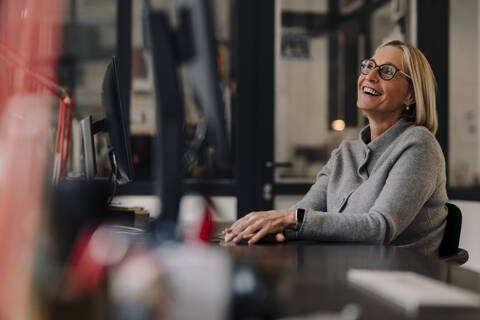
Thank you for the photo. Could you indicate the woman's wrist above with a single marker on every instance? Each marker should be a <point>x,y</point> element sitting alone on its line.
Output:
<point>295,219</point>
<point>292,214</point>
<point>298,217</point>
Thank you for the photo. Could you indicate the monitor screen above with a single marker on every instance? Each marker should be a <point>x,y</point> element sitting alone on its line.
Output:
<point>195,16</point>
<point>116,109</point>
<point>169,140</point>
<point>192,46</point>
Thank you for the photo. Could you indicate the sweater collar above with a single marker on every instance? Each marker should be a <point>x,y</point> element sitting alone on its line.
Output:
<point>386,138</point>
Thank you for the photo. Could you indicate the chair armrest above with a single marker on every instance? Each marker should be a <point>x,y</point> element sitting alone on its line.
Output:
<point>458,258</point>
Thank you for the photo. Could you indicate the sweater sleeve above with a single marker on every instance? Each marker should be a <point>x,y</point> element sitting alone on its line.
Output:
<point>411,181</point>
<point>316,197</point>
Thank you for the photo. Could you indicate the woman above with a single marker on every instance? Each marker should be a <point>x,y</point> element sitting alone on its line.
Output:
<point>388,187</point>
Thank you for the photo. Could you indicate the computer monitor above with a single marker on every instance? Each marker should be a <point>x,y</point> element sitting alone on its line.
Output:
<point>170,114</point>
<point>115,124</point>
<point>116,111</point>
<point>196,19</point>
<point>190,45</point>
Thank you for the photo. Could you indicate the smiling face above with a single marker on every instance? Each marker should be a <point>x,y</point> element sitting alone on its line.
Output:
<point>384,99</point>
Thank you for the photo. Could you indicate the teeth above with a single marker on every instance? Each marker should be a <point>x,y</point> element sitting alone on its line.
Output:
<point>371,91</point>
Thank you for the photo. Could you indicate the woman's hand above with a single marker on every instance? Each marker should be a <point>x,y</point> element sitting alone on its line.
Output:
<point>256,225</point>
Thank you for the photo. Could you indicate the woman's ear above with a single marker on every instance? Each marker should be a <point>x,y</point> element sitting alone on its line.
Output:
<point>409,98</point>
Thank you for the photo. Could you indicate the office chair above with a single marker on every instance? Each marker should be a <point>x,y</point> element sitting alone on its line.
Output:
<point>449,250</point>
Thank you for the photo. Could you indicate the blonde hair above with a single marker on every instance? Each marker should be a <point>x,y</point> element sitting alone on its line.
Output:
<point>424,111</point>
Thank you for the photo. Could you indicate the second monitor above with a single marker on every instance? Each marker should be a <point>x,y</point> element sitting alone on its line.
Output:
<point>115,124</point>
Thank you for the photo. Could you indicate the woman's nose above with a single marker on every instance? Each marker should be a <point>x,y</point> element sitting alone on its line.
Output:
<point>373,75</point>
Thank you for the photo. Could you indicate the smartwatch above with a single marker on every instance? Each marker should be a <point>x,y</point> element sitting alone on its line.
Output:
<point>299,214</point>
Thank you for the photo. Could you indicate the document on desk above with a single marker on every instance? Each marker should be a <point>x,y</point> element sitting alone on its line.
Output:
<point>412,291</point>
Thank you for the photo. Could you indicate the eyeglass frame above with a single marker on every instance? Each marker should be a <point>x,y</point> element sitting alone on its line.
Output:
<point>379,70</point>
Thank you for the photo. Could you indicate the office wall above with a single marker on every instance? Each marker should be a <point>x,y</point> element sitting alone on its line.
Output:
<point>464,140</point>
<point>301,98</point>
<point>301,101</point>
<point>464,120</point>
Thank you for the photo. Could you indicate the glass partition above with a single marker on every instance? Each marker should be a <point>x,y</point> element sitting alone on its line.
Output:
<point>304,134</point>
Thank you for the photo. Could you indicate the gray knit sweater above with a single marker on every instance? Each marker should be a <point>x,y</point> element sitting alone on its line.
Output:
<point>390,191</point>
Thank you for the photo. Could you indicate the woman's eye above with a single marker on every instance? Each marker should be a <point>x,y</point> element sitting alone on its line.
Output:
<point>388,70</point>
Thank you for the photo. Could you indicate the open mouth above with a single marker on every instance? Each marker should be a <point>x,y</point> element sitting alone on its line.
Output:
<point>371,91</point>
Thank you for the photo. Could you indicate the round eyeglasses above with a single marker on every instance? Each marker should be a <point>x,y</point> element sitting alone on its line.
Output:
<point>386,71</point>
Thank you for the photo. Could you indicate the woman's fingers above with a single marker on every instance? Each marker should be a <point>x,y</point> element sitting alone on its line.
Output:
<point>229,237</point>
<point>241,224</point>
<point>253,227</point>
<point>252,222</point>
<point>272,221</point>
<point>280,237</point>
<point>259,235</point>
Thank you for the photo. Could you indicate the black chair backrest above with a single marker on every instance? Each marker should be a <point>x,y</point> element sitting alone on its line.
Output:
<point>451,237</point>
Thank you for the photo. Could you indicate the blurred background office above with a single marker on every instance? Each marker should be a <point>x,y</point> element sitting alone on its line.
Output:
<point>287,73</point>
<point>288,76</point>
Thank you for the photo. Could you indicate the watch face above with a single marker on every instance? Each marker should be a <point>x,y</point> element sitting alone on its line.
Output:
<point>300,214</point>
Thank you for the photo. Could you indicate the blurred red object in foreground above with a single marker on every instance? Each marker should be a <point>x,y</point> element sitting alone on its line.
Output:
<point>83,273</point>
<point>15,61</point>
<point>199,225</point>
<point>30,28</point>
<point>207,225</point>
<point>95,250</point>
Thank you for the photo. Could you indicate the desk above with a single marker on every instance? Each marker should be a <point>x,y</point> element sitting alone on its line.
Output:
<point>301,277</point>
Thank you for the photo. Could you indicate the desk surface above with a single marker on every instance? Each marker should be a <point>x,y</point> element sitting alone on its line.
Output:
<point>302,277</point>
